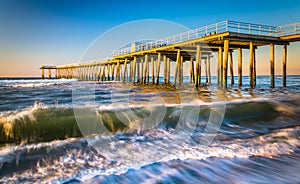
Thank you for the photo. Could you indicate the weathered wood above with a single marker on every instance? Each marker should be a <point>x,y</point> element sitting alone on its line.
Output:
<point>125,70</point>
<point>138,70</point>
<point>251,63</point>
<point>43,73</point>
<point>146,80</point>
<point>284,61</point>
<point>225,62</point>
<point>178,58</point>
<point>240,65</point>
<point>168,69</point>
<point>254,68</point>
<point>231,69</point>
<point>272,57</point>
<point>165,69</point>
<point>181,71</point>
<point>153,73</point>
<point>158,67</point>
<point>198,69</point>
<point>220,60</point>
<point>142,71</point>
<point>208,69</point>
<point>134,69</point>
<point>192,75</point>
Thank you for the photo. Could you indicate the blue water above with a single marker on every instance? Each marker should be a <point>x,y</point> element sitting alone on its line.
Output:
<point>60,131</point>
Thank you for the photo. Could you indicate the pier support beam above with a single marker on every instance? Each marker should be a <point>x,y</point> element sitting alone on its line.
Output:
<point>181,70</point>
<point>49,73</point>
<point>272,77</point>
<point>240,65</point>
<point>225,62</point>
<point>254,68</point>
<point>251,65</point>
<point>125,70</point>
<point>43,73</point>
<point>165,69</point>
<point>138,71</point>
<point>168,69</point>
<point>220,66</point>
<point>284,61</point>
<point>146,80</point>
<point>178,58</point>
<point>153,71</point>
<point>133,70</point>
<point>198,67</point>
<point>192,75</point>
<point>158,67</point>
<point>208,69</point>
<point>231,69</point>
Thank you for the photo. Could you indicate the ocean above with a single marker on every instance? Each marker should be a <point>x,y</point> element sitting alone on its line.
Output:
<point>69,131</point>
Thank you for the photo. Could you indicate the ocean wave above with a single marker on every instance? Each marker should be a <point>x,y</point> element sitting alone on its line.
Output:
<point>76,160</point>
<point>41,123</point>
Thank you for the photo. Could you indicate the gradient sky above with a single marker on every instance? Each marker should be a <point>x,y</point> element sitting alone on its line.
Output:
<point>39,32</point>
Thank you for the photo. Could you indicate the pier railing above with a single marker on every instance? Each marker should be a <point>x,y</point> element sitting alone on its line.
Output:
<point>289,29</point>
<point>219,27</point>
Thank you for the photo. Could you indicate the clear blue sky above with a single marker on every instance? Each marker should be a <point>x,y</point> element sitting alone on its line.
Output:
<point>37,32</point>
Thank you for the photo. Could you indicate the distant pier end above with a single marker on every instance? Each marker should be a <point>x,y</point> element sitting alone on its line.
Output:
<point>135,62</point>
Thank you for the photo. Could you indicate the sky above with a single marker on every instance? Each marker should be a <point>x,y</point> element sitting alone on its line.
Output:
<point>56,32</point>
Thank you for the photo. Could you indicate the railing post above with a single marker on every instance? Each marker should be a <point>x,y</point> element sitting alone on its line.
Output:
<point>226,25</point>
<point>249,29</point>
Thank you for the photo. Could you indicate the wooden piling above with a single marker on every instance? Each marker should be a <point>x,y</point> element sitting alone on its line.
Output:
<point>220,60</point>
<point>125,70</point>
<point>254,67</point>
<point>138,70</point>
<point>284,60</point>
<point>272,65</point>
<point>231,69</point>
<point>198,68</point>
<point>165,69</point>
<point>146,80</point>
<point>240,65</point>
<point>208,69</point>
<point>192,76</point>
<point>158,67</point>
<point>142,70</point>
<point>133,69</point>
<point>181,70</point>
<point>43,73</point>
<point>251,64</point>
<point>178,58</point>
<point>153,73</point>
<point>225,62</point>
<point>168,69</point>
<point>49,73</point>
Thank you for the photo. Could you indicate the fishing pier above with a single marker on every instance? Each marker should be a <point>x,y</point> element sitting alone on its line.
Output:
<point>142,62</point>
